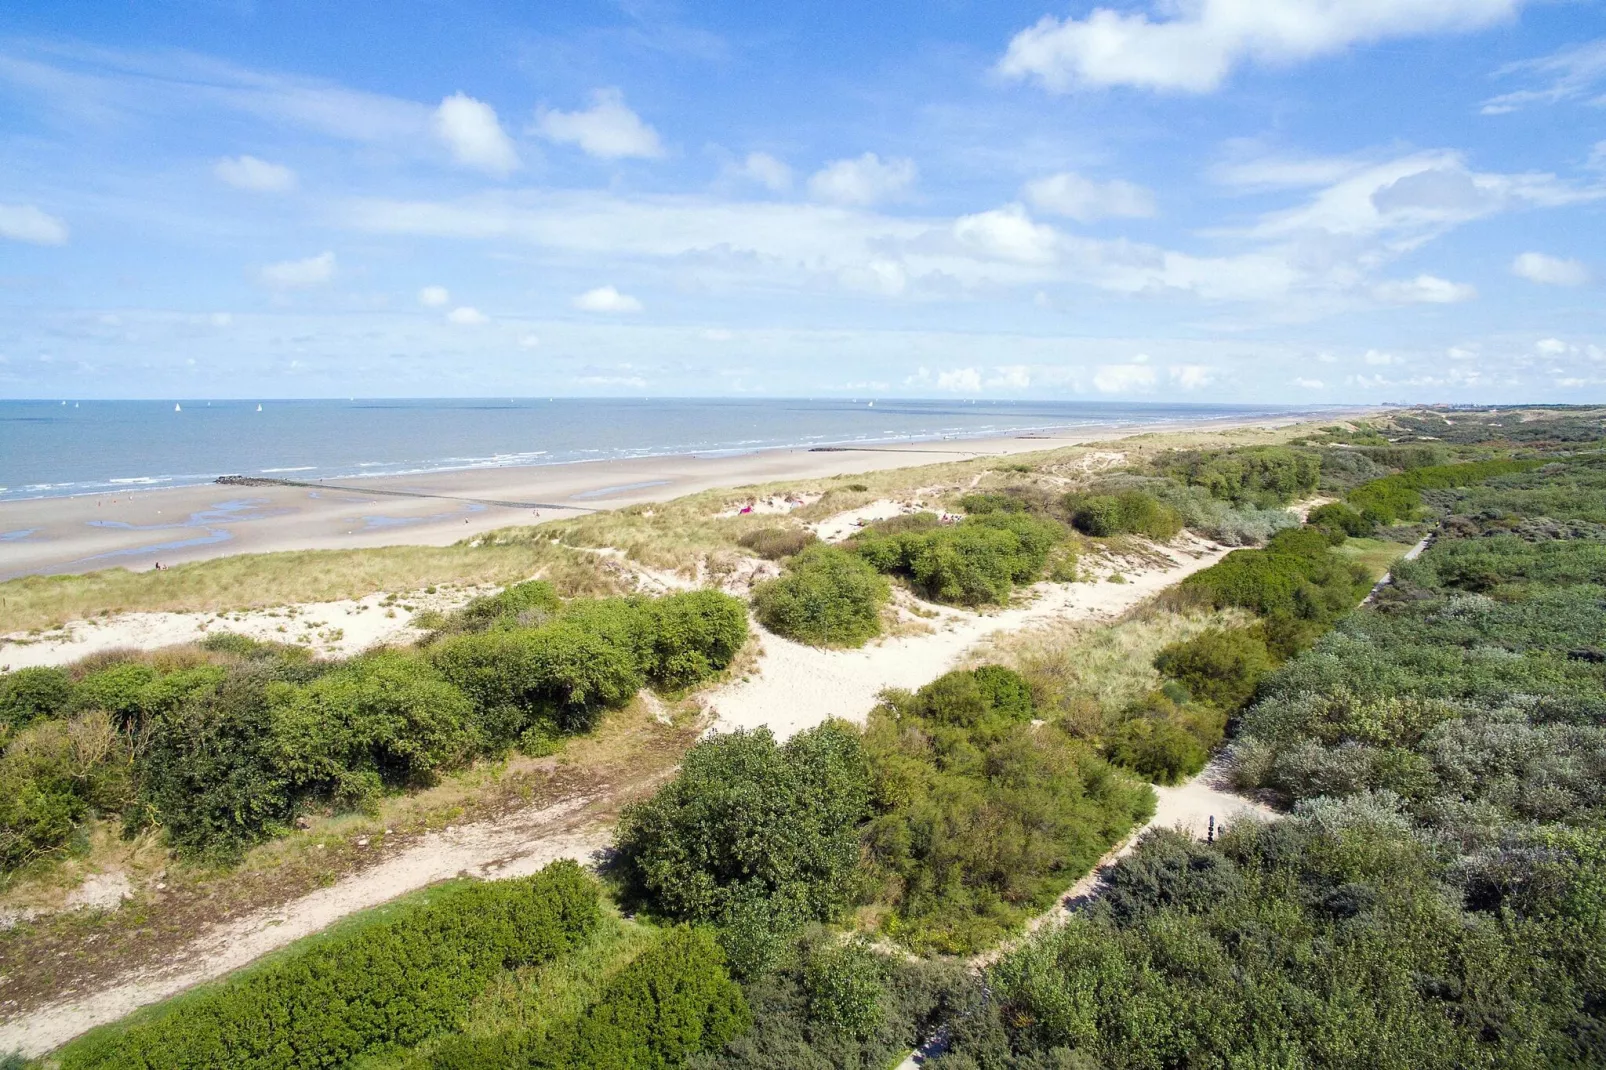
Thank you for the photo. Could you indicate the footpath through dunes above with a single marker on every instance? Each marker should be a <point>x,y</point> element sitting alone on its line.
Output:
<point>789,688</point>
<point>795,687</point>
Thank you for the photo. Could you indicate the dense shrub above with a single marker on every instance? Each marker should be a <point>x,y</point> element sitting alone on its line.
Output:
<point>695,634</point>
<point>974,562</point>
<point>1128,513</point>
<point>1156,748</point>
<point>828,597</point>
<point>754,837</point>
<point>523,605</point>
<point>55,772</point>
<point>1265,475</point>
<point>980,816</point>
<point>1398,497</point>
<point>1336,516</point>
<point>1220,666</point>
<point>775,543</point>
<point>29,694</point>
<point>390,983</point>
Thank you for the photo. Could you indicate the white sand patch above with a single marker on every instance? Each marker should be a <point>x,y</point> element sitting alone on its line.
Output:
<point>100,891</point>
<point>845,524</point>
<point>797,687</point>
<point>515,845</point>
<point>329,628</point>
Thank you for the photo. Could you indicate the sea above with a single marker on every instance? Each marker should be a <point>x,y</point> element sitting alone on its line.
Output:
<point>70,447</point>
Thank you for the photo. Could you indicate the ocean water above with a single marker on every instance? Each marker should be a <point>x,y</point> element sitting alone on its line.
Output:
<point>50,449</point>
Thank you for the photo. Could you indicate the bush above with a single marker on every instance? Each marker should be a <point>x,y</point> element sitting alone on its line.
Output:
<point>775,543</point>
<point>974,562</point>
<point>673,1002</point>
<point>694,635</point>
<point>1398,497</point>
<point>1156,748</point>
<point>1127,513</point>
<point>1219,666</point>
<point>1294,581</point>
<point>54,774</point>
<point>1264,475</point>
<point>389,984</point>
<point>388,718</point>
<point>1337,516</point>
<point>27,695</point>
<point>828,597</point>
<point>523,605</point>
<point>750,833</point>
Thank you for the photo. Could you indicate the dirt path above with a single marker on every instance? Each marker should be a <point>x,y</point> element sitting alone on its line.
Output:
<point>516,845</point>
<point>1188,806</point>
<point>797,687</point>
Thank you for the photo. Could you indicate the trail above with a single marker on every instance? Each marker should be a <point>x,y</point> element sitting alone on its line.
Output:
<point>1188,806</point>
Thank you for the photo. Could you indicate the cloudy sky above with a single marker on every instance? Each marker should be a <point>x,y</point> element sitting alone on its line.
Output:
<point>1252,200</point>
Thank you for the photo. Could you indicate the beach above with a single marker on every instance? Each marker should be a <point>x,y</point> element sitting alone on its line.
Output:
<point>138,529</point>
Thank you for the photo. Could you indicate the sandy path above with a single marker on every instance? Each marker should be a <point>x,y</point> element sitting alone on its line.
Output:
<point>796,687</point>
<point>511,846</point>
<point>1188,806</point>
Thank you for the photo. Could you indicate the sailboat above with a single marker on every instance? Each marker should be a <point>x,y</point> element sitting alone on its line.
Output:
<point>259,408</point>
<point>177,407</point>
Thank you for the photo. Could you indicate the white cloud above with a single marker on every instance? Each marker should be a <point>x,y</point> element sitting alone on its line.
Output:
<point>298,274</point>
<point>1011,377</point>
<point>465,316</point>
<point>470,129</point>
<point>1190,376</point>
<point>862,181</point>
<point>606,299</point>
<point>1377,358</point>
<point>24,222</point>
<point>1007,233</point>
<point>608,129</point>
<point>1550,270</point>
<point>1551,346</point>
<point>1085,200</point>
<point>1309,384</point>
<point>718,334</point>
<point>1424,290</point>
<point>1575,73</point>
<point>767,171</point>
<point>529,341</point>
<point>960,381</point>
<point>1125,378</point>
<point>258,176</point>
<point>1196,48</point>
<point>434,297</point>
<point>220,319</point>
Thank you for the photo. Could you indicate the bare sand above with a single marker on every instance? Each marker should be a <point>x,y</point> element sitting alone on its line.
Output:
<point>183,524</point>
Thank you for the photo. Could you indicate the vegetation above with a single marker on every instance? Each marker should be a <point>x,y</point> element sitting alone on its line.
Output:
<point>1398,497</point>
<point>827,597</point>
<point>774,544</point>
<point>393,982</point>
<point>754,837</point>
<point>1127,513</point>
<point>981,818</point>
<point>222,745</point>
<point>1263,475</point>
<point>975,562</point>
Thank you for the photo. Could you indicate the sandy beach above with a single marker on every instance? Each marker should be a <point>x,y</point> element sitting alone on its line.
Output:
<point>172,526</point>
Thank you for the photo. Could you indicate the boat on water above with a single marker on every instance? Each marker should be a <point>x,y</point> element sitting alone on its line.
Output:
<point>177,407</point>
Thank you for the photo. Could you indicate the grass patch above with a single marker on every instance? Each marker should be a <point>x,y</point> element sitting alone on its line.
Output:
<point>1377,556</point>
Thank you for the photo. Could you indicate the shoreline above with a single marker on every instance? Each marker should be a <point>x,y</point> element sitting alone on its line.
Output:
<point>178,525</point>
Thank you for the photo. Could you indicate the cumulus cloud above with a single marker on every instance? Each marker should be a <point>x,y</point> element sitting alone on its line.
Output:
<point>1190,376</point>
<point>862,181</point>
<point>608,129</point>
<point>1007,233</point>
<point>465,316</point>
<point>1308,384</point>
<point>434,297</point>
<point>1198,45</point>
<point>1085,200</point>
<point>298,274</point>
<point>1549,270</point>
<point>258,176</point>
<point>606,299</point>
<point>960,381</point>
<point>1136,377</point>
<point>24,222</point>
<point>529,341</point>
<point>1573,74</point>
<point>1424,290</point>
<point>767,171</point>
<point>1377,358</point>
<point>470,129</point>
<point>1011,377</point>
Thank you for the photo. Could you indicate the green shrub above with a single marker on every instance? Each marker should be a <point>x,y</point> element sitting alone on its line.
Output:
<point>827,597</point>
<point>388,717</point>
<point>27,695</point>
<point>977,504</point>
<point>1219,666</point>
<point>750,829</point>
<point>846,987</point>
<point>694,635</point>
<point>1294,581</point>
<point>1399,497</point>
<point>1265,475</point>
<point>1127,513</point>
<point>673,1002</point>
<point>522,605</point>
<point>1157,748</point>
<point>775,543</point>
<point>53,775</point>
<point>1337,516</point>
<point>389,984</point>
<point>974,562</point>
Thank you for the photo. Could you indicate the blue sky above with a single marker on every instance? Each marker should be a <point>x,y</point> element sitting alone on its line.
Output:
<point>1248,200</point>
